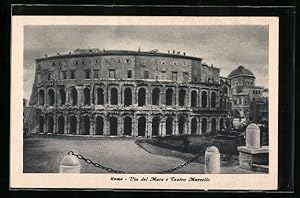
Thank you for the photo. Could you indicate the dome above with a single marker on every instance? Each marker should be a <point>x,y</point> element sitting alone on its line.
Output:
<point>241,70</point>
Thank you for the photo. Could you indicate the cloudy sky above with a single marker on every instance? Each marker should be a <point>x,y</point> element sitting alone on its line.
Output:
<point>225,47</point>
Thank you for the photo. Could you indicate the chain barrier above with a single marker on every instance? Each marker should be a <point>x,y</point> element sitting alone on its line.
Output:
<point>97,165</point>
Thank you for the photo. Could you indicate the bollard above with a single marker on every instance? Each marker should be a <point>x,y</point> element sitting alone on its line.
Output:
<point>69,164</point>
<point>212,160</point>
<point>253,136</point>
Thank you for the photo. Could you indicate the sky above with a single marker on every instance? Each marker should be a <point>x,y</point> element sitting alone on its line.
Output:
<point>226,47</point>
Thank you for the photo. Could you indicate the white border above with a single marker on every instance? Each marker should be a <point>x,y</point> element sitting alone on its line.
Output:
<point>18,179</point>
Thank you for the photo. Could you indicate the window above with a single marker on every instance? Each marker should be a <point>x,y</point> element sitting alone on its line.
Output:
<point>253,92</point>
<point>129,74</point>
<point>119,61</point>
<point>186,76</point>
<point>112,73</point>
<point>96,73</point>
<point>72,74</point>
<point>82,62</point>
<point>146,74</point>
<point>163,75</point>
<point>127,60</point>
<point>87,74</point>
<point>49,76</point>
<point>77,62</point>
<point>96,61</point>
<point>174,76</point>
<point>64,75</point>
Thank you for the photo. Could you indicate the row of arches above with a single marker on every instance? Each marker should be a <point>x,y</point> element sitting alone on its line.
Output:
<point>83,125</point>
<point>155,97</point>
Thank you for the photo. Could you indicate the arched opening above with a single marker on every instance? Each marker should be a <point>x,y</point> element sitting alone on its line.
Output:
<point>50,97</point>
<point>127,126</point>
<point>221,123</point>
<point>213,125</point>
<point>41,97</point>
<point>155,96</point>
<point>169,126</point>
<point>99,125</point>
<point>86,125</point>
<point>113,96</point>
<point>204,125</point>
<point>142,126</point>
<point>141,97</point>
<point>62,96</point>
<point>155,126</point>
<point>74,96</point>
<point>169,97</point>
<point>213,99</point>
<point>50,124</point>
<point>182,97</point>
<point>181,125</point>
<point>61,125</point>
<point>194,126</point>
<point>100,96</point>
<point>87,96</point>
<point>193,98</point>
<point>127,97</point>
<point>113,126</point>
<point>204,99</point>
<point>73,125</point>
<point>41,124</point>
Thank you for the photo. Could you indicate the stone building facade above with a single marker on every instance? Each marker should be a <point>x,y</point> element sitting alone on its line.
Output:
<point>131,93</point>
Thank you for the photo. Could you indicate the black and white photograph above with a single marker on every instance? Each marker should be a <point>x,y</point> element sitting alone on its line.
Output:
<point>183,102</point>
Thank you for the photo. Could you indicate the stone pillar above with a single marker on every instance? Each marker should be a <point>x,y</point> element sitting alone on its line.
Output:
<point>212,161</point>
<point>134,126</point>
<point>55,127</point>
<point>120,125</point>
<point>163,126</point>
<point>92,126</point>
<point>253,136</point>
<point>80,100</point>
<point>92,95</point>
<point>148,131</point>
<point>199,125</point>
<point>66,128</point>
<point>105,125</point>
<point>45,125</point>
<point>208,129</point>
<point>78,125</point>
<point>175,125</point>
<point>70,164</point>
<point>188,125</point>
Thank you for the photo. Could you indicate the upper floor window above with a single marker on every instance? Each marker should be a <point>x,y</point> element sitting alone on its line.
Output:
<point>119,61</point>
<point>112,73</point>
<point>146,74</point>
<point>186,76</point>
<point>96,73</point>
<point>174,76</point>
<point>129,74</point>
<point>163,75</point>
<point>83,62</point>
<point>64,74</point>
<point>53,63</point>
<point>87,74</point>
<point>72,74</point>
<point>49,77</point>
<point>127,60</point>
<point>76,62</point>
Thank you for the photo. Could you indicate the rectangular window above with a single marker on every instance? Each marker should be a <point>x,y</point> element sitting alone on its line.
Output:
<point>87,74</point>
<point>146,74</point>
<point>112,73</point>
<point>163,75</point>
<point>186,76</point>
<point>72,74</point>
<point>129,74</point>
<point>174,76</point>
<point>96,73</point>
<point>64,75</point>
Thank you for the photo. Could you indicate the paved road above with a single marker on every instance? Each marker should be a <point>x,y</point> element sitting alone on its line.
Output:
<point>44,154</point>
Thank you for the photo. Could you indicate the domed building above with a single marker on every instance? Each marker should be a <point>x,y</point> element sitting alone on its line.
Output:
<point>244,91</point>
<point>126,93</point>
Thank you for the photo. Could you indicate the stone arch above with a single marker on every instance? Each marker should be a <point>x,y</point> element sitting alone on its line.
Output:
<point>113,96</point>
<point>204,125</point>
<point>99,125</point>
<point>169,126</point>
<point>127,125</point>
<point>213,99</point>
<point>50,122</point>
<point>74,96</point>
<point>213,125</point>
<point>127,97</point>
<point>194,126</point>
<point>87,96</point>
<point>221,123</point>
<point>41,97</point>
<point>155,96</point>
<point>141,97</point>
<point>182,94</point>
<point>72,125</point>
<point>181,125</point>
<point>169,97</point>
<point>100,96</point>
<point>85,125</point>
<point>61,124</point>
<point>142,126</point>
<point>194,98</point>
<point>204,99</point>
<point>41,124</point>
<point>155,126</point>
<point>113,126</point>
<point>62,96</point>
<point>51,97</point>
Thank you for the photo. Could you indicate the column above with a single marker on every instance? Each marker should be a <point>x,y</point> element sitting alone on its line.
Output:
<point>92,102</point>
<point>77,125</point>
<point>55,127</point>
<point>188,125</point>
<point>45,125</point>
<point>176,129</point>
<point>120,125</point>
<point>148,131</point>
<point>208,130</point>
<point>66,128</point>
<point>92,125</point>
<point>134,126</point>
<point>163,126</point>
<point>199,125</point>
<point>80,95</point>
